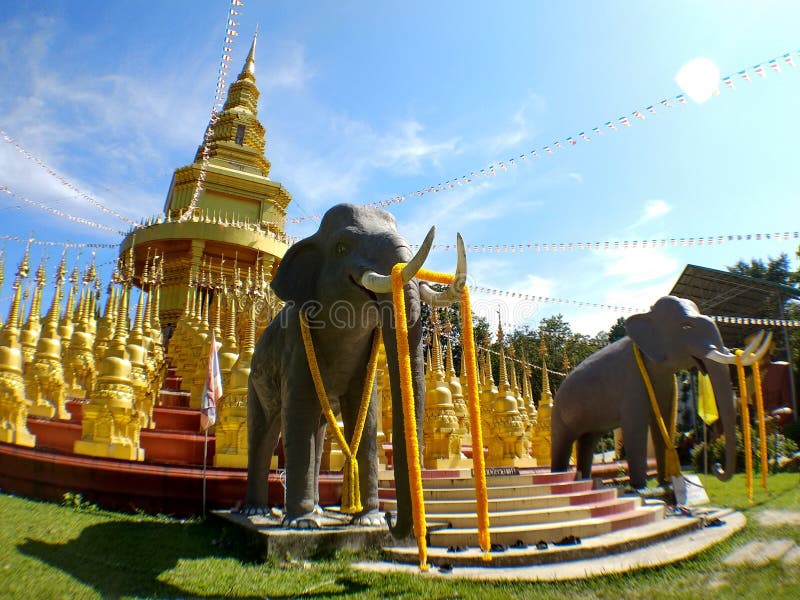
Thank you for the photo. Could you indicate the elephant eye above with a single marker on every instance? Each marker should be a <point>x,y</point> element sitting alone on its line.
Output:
<point>341,249</point>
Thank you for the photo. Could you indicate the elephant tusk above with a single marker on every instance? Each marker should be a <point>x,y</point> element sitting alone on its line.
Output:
<point>453,291</point>
<point>724,358</point>
<point>751,347</point>
<point>749,356</point>
<point>382,284</point>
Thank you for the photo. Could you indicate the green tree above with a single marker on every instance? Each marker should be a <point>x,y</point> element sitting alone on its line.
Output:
<point>617,331</point>
<point>777,270</point>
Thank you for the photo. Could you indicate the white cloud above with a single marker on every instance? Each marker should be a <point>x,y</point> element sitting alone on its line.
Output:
<point>322,175</point>
<point>520,129</point>
<point>654,209</point>
<point>638,266</point>
<point>511,311</point>
<point>699,79</point>
<point>576,177</point>
<point>289,70</point>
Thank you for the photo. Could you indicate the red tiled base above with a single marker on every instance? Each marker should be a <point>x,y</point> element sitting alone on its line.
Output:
<point>176,419</point>
<point>159,446</point>
<point>174,398</point>
<point>123,485</point>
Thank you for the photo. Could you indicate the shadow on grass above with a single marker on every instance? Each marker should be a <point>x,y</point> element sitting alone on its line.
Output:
<point>127,558</point>
<point>322,590</point>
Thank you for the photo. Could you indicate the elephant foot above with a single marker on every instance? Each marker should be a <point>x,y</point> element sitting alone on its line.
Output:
<point>258,510</point>
<point>369,518</point>
<point>252,510</point>
<point>310,520</point>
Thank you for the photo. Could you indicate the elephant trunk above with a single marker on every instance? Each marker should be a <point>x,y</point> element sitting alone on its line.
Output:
<point>404,524</point>
<point>721,383</point>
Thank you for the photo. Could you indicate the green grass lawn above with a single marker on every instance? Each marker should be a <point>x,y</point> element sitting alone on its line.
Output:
<point>52,551</point>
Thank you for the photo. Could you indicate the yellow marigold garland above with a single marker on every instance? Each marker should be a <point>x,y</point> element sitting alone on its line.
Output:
<point>409,415</point>
<point>672,465</point>
<point>470,362</point>
<point>351,491</point>
<point>748,449</point>
<point>762,426</point>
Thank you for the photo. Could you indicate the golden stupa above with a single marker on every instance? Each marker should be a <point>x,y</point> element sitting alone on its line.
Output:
<point>239,212</point>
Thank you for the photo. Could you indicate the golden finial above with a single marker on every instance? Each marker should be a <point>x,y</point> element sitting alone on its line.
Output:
<point>565,364</point>
<point>450,367</point>
<point>545,377</point>
<point>438,365</point>
<point>249,69</point>
<point>542,347</point>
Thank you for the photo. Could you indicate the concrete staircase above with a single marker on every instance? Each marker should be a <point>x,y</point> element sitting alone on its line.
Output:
<point>534,518</point>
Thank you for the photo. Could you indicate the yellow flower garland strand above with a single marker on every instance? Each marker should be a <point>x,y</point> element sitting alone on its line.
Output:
<point>748,448</point>
<point>410,416</point>
<point>672,465</point>
<point>351,491</point>
<point>470,362</point>
<point>762,426</point>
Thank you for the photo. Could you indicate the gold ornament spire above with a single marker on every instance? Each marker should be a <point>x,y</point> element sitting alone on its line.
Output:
<point>546,393</point>
<point>10,334</point>
<point>249,68</point>
<point>502,377</point>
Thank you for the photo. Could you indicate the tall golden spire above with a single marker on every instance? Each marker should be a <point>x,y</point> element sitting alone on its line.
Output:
<point>547,396</point>
<point>237,133</point>
<point>502,377</point>
<point>249,68</point>
<point>10,334</point>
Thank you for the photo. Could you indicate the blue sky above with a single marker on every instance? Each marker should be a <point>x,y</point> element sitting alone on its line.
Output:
<point>364,101</point>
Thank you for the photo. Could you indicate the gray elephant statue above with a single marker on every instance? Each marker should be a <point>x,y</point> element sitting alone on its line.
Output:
<point>607,390</point>
<point>340,277</point>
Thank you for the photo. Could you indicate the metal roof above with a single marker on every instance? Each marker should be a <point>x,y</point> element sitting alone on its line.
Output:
<point>731,294</point>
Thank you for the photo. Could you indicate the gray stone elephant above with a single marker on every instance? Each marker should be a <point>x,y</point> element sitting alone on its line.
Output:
<point>607,390</point>
<point>341,277</point>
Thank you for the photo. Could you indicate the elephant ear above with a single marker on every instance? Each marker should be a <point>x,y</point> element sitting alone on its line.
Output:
<point>297,274</point>
<point>642,330</point>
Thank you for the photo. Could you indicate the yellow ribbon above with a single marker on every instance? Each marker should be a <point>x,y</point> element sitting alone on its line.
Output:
<point>476,431</point>
<point>409,415</point>
<point>762,426</point>
<point>748,444</point>
<point>351,492</point>
<point>672,465</point>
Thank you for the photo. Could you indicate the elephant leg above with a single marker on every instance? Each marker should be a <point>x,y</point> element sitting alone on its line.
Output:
<point>300,432</point>
<point>262,437</point>
<point>635,435</point>
<point>586,446</point>
<point>660,451</point>
<point>561,440</point>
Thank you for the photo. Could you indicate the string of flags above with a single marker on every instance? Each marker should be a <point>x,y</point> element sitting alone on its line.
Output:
<point>549,300</point>
<point>63,180</point>
<point>35,242</point>
<point>732,320</point>
<point>710,240</point>
<point>756,321</point>
<point>231,33</point>
<point>54,211</point>
<point>586,136</point>
<point>522,363</point>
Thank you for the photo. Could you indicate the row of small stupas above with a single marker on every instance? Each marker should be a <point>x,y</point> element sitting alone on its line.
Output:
<point>116,365</point>
<point>515,432</point>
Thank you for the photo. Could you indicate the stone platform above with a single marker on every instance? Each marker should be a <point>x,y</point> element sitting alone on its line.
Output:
<point>654,545</point>
<point>275,541</point>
